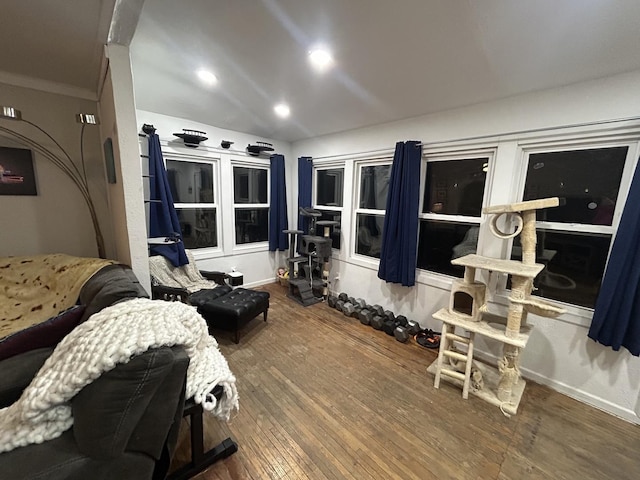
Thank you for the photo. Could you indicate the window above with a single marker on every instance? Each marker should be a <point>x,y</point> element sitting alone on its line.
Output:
<point>451,207</point>
<point>329,188</point>
<point>574,239</point>
<point>373,180</point>
<point>192,188</point>
<point>251,204</point>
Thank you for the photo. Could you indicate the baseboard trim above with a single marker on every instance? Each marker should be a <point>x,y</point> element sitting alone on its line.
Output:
<point>258,283</point>
<point>580,395</point>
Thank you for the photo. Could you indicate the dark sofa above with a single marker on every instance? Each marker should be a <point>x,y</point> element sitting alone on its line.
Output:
<point>125,423</point>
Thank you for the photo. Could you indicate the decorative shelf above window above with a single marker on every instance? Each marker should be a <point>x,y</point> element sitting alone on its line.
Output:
<point>259,148</point>
<point>192,138</point>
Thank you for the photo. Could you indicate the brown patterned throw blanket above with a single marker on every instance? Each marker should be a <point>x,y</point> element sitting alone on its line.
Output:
<point>37,287</point>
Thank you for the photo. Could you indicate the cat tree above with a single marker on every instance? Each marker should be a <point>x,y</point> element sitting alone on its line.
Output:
<point>309,272</point>
<point>501,386</point>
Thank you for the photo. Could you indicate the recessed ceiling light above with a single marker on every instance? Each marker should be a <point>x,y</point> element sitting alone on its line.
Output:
<point>282,110</point>
<point>207,77</point>
<point>321,58</point>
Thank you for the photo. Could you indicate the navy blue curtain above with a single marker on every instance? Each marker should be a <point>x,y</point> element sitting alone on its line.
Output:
<point>163,220</point>
<point>400,232</point>
<point>278,208</point>
<point>616,319</point>
<point>305,178</point>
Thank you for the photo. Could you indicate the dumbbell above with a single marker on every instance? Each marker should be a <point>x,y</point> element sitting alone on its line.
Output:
<point>378,310</point>
<point>365,316</point>
<point>390,315</point>
<point>343,296</point>
<point>413,327</point>
<point>331,301</point>
<point>360,303</point>
<point>377,321</point>
<point>348,309</point>
<point>356,311</point>
<point>401,333</point>
<point>402,320</point>
<point>339,305</point>
<point>352,300</point>
<point>388,326</point>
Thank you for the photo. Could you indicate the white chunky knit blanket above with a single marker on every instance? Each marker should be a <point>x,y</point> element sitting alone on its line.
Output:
<point>186,276</point>
<point>109,337</point>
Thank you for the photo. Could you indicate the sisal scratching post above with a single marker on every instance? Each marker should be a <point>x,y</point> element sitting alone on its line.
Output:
<point>528,237</point>
<point>518,294</point>
<point>509,369</point>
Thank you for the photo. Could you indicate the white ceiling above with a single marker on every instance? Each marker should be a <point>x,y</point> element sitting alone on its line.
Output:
<point>394,59</point>
<point>56,42</point>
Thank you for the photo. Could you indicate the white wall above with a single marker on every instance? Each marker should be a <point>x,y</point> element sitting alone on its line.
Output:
<point>57,220</point>
<point>559,353</point>
<point>257,265</point>
<point>125,196</point>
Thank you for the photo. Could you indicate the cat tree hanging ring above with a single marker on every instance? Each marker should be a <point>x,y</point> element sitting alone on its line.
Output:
<point>493,225</point>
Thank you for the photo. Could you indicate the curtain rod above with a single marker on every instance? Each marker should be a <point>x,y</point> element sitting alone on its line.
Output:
<point>493,135</point>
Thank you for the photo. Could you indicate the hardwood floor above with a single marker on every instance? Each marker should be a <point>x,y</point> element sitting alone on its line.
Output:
<point>325,397</point>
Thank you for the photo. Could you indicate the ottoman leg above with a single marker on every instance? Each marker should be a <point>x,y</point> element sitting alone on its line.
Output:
<point>265,314</point>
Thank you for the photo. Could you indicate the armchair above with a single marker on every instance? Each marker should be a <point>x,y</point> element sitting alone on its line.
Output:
<point>221,306</point>
<point>125,423</point>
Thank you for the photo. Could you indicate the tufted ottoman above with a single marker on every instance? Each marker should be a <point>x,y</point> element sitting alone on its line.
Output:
<point>232,310</point>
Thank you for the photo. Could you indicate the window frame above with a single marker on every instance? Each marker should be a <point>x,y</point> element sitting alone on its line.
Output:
<point>358,166</point>
<point>326,208</point>
<point>215,164</point>
<point>562,147</point>
<point>431,277</point>
<point>251,164</point>
<point>578,142</point>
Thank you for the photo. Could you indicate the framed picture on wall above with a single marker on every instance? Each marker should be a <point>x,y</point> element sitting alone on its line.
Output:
<point>17,176</point>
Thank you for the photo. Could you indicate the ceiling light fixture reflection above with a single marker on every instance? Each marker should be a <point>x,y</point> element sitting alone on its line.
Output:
<point>207,77</point>
<point>321,59</point>
<point>282,110</point>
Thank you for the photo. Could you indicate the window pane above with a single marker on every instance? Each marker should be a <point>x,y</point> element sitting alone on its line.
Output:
<point>198,227</point>
<point>329,187</point>
<point>252,225</point>
<point>190,182</point>
<point>369,234</point>
<point>455,187</point>
<point>249,185</point>
<point>374,185</point>
<point>441,242</point>
<point>334,216</point>
<point>588,179</point>
<point>575,264</point>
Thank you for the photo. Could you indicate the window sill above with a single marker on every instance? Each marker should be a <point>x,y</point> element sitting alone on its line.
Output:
<point>433,279</point>
<point>363,261</point>
<point>207,253</point>
<point>250,248</point>
<point>423,277</point>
